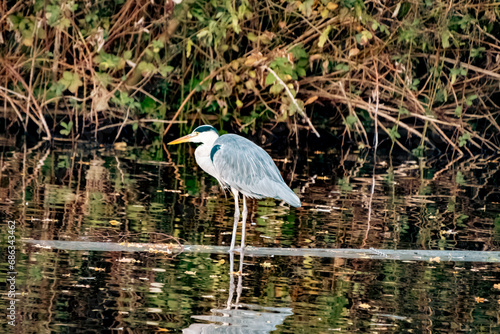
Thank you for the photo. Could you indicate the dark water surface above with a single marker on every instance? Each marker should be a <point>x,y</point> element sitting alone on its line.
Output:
<point>125,195</point>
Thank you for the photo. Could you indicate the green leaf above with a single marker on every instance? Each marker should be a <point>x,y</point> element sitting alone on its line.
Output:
<point>252,37</point>
<point>393,133</point>
<point>52,13</point>
<point>270,79</point>
<point>104,78</point>
<point>67,128</point>
<point>342,67</point>
<point>324,36</point>
<point>148,105</point>
<point>276,89</point>
<point>127,55</point>
<point>64,23</point>
<point>109,61</point>
<point>189,46</point>
<point>460,178</point>
<point>350,120</point>
<point>157,46</point>
<point>458,111</point>
<point>164,70</point>
<point>463,139</point>
<point>146,68</point>
<point>469,100</point>
<point>71,81</point>
<point>306,7</point>
<point>474,53</point>
<point>403,111</point>
<point>301,72</point>
<point>299,52</point>
<point>445,38</point>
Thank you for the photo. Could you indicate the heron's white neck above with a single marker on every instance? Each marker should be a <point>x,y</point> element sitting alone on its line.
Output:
<point>202,153</point>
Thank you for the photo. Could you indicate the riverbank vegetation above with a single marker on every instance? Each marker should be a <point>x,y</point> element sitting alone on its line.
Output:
<point>419,75</point>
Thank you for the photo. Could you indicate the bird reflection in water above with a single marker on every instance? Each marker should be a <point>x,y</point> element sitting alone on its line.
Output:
<point>236,317</point>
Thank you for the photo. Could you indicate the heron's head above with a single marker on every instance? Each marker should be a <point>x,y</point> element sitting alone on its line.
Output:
<point>205,134</point>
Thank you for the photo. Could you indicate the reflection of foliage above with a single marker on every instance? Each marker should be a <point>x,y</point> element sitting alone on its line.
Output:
<point>81,194</point>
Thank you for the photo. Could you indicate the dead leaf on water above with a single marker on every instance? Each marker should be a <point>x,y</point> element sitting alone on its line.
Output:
<point>480,300</point>
<point>121,146</point>
<point>435,259</point>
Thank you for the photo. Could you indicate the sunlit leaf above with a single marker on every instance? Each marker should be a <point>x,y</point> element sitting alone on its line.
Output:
<point>270,79</point>
<point>324,36</point>
<point>71,81</point>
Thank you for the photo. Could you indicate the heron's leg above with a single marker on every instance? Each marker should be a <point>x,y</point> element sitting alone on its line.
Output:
<point>236,218</point>
<point>245,212</point>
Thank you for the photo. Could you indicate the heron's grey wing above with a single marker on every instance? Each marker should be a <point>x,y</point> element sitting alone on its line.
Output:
<point>247,168</point>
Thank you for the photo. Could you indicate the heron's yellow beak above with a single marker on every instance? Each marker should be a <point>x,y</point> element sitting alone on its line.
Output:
<point>183,139</point>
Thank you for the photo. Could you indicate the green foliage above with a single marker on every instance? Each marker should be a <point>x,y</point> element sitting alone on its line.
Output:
<point>213,58</point>
<point>393,133</point>
<point>66,128</point>
<point>350,120</point>
<point>122,99</point>
<point>70,81</point>
<point>460,178</point>
<point>463,139</point>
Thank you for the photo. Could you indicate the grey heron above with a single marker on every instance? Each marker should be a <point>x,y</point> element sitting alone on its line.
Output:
<point>240,166</point>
